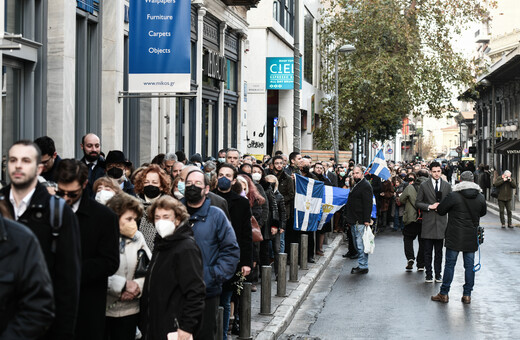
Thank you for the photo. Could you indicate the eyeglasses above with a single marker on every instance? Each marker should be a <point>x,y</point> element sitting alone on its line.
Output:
<point>196,183</point>
<point>69,194</point>
<point>45,162</point>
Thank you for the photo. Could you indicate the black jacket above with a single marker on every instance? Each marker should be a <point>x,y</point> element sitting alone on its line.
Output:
<point>359,204</point>
<point>281,219</point>
<point>174,287</point>
<point>240,214</point>
<point>286,188</point>
<point>26,297</point>
<point>273,213</point>
<point>461,233</point>
<point>50,176</point>
<point>99,228</point>
<point>97,172</point>
<point>64,266</point>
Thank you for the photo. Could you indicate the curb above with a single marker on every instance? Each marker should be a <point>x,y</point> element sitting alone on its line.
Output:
<point>494,207</point>
<point>285,312</point>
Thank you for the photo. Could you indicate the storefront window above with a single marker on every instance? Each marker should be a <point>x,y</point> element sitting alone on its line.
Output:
<point>231,77</point>
<point>11,110</point>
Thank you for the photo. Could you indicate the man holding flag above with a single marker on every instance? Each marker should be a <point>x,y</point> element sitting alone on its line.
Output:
<point>358,211</point>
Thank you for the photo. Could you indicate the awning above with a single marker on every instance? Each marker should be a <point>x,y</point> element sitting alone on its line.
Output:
<point>499,144</point>
<point>511,147</point>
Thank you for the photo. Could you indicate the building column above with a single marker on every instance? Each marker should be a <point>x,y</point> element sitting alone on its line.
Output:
<point>242,95</point>
<point>198,102</point>
<point>61,81</point>
<point>112,74</point>
<point>220,109</point>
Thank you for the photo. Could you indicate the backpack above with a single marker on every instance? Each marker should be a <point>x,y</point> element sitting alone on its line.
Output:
<point>56,206</point>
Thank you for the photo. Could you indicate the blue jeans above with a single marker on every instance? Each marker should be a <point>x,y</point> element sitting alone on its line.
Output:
<point>398,220</point>
<point>449,269</point>
<point>282,242</point>
<point>357,234</point>
<point>225,301</point>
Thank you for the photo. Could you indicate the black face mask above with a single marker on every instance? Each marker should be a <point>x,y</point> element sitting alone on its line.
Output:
<point>193,194</point>
<point>115,173</point>
<point>306,169</point>
<point>409,179</point>
<point>151,191</point>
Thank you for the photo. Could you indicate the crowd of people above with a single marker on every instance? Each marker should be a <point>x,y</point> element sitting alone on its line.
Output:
<point>144,252</point>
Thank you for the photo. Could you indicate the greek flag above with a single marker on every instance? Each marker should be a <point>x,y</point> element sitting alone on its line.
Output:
<point>307,203</point>
<point>333,199</point>
<point>379,167</point>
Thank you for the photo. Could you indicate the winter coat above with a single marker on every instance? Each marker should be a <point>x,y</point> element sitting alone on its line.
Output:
<point>127,265</point>
<point>99,229</point>
<point>218,243</point>
<point>408,198</point>
<point>387,189</point>
<point>461,233</point>
<point>146,227</point>
<point>264,217</point>
<point>98,171</point>
<point>26,294</point>
<point>273,213</point>
<point>359,204</point>
<point>174,287</point>
<point>282,215</point>
<point>505,188</point>
<point>286,188</point>
<point>50,176</point>
<point>433,225</point>
<point>64,265</point>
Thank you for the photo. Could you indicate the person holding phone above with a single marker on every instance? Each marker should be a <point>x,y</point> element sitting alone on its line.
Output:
<point>506,185</point>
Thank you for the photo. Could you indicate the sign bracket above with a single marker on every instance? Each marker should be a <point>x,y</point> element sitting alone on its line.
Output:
<point>126,94</point>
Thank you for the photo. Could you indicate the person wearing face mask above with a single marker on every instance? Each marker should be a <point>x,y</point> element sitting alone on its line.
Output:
<point>105,188</point>
<point>240,213</point>
<point>116,164</point>
<point>173,294</point>
<point>215,235</point>
<point>124,290</point>
<point>150,184</point>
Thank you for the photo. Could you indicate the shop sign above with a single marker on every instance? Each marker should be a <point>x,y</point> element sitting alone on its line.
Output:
<point>280,73</point>
<point>159,51</point>
<point>214,65</point>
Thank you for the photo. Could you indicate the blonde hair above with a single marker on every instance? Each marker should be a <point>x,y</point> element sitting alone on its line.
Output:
<point>108,182</point>
<point>243,182</point>
<point>272,179</point>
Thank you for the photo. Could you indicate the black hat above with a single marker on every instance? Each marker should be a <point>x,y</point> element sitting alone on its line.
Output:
<point>196,158</point>
<point>116,156</point>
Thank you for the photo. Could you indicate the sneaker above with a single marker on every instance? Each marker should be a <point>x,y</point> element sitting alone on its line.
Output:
<point>503,226</point>
<point>429,279</point>
<point>510,226</point>
<point>438,278</point>
<point>420,269</point>
<point>409,266</point>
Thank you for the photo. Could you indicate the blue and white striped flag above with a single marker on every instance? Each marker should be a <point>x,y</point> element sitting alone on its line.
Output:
<point>333,199</point>
<point>379,167</point>
<point>307,203</point>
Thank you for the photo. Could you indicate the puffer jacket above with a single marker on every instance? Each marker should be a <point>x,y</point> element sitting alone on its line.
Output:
<point>461,233</point>
<point>127,265</point>
<point>505,188</point>
<point>218,243</point>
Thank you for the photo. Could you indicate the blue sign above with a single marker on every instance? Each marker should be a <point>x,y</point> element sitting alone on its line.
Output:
<point>280,73</point>
<point>159,56</point>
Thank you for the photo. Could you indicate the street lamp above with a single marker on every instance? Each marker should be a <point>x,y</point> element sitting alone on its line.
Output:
<point>343,49</point>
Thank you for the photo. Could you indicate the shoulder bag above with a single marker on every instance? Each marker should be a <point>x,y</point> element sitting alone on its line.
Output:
<point>256,230</point>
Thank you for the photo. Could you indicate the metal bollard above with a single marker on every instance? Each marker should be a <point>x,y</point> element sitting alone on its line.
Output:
<point>293,270</point>
<point>245,312</point>
<point>281,286</point>
<point>304,240</point>
<point>220,323</point>
<point>265,294</point>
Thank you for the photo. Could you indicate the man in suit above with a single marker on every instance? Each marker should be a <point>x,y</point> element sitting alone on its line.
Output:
<point>357,214</point>
<point>99,230</point>
<point>91,146</point>
<point>430,194</point>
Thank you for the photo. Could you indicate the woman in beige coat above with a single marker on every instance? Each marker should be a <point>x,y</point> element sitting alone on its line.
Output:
<point>124,290</point>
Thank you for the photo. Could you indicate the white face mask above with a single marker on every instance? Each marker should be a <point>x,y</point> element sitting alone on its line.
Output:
<point>103,196</point>
<point>256,176</point>
<point>165,228</point>
<point>178,195</point>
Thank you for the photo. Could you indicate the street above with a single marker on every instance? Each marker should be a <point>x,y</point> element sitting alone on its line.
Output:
<point>390,303</point>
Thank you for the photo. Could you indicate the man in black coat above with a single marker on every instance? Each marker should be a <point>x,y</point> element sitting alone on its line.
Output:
<point>26,291</point>
<point>99,228</point>
<point>357,214</point>
<point>28,202</point>
<point>240,218</point>
<point>464,206</point>
<point>91,146</point>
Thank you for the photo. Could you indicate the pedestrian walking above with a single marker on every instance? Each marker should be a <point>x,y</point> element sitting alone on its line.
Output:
<point>357,214</point>
<point>464,206</point>
<point>430,193</point>
<point>505,185</point>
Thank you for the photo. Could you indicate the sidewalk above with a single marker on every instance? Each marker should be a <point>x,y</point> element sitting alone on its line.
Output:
<point>283,309</point>
<point>494,208</point>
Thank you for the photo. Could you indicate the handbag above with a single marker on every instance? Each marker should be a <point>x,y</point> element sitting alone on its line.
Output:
<point>256,230</point>
<point>142,264</point>
<point>494,192</point>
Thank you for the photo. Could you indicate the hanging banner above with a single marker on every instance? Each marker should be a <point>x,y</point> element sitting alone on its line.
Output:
<point>159,52</point>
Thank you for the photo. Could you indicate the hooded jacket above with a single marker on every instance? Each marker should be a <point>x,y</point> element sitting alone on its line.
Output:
<point>461,232</point>
<point>173,288</point>
<point>408,198</point>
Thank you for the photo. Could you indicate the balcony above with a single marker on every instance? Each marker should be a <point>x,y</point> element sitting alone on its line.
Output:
<point>91,6</point>
<point>245,3</point>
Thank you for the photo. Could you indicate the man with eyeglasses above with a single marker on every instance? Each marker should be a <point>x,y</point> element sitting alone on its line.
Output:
<point>217,240</point>
<point>28,202</point>
<point>50,158</point>
<point>99,229</point>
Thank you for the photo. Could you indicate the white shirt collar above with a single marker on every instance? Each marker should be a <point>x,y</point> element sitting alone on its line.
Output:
<point>75,206</point>
<point>433,182</point>
<point>24,204</point>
